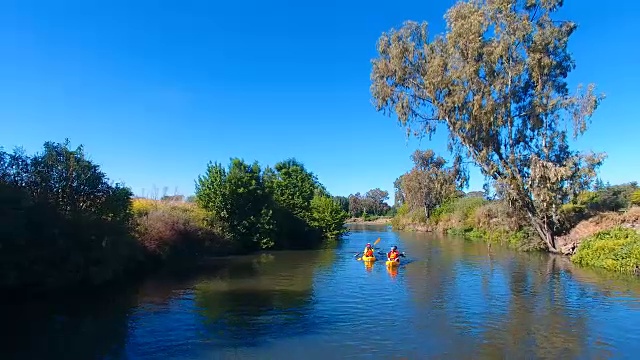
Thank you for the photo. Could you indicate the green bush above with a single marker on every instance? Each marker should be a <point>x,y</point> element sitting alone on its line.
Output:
<point>609,198</point>
<point>328,216</point>
<point>238,203</point>
<point>635,198</point>
<point>284,207</point>
<point>616,249</point>
<point>459,211</point>
<point>62,222</point>
<point>175,231</point>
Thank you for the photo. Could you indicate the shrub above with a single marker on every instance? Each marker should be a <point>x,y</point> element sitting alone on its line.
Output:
<point>63,221</point>
<point>617,249</point>
<point>635,198</point>
<point>458,212</point>
<point>174,231</point>
<point>328,216</point>
<point>238,202</point>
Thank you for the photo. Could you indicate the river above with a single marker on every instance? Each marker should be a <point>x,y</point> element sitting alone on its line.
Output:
<point>450,299</point>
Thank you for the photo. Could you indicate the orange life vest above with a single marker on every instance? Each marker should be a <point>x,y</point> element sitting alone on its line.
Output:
<point>368,252</point>
<point>393,254</point>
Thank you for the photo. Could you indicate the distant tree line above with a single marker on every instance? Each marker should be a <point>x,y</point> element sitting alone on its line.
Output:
<point>372,203</point>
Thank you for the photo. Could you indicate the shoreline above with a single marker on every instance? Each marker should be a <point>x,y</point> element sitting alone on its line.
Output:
<point>384,220</point>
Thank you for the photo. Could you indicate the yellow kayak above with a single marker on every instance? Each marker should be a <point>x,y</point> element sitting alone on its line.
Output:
<point>368,258</point>
<point>393,263</point>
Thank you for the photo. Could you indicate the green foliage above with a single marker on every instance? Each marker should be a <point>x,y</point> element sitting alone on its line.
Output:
<point>430,182</point>
<point>371,203</point>
<point>616,197</point>
<point>407,218</point>
<point>497,82</point>
<point>282,207</point>
<point>61,221</point>
<point>635,198</point>
<point>292,187</point>
<point>238,203</point>
<point>392,211</point>
<point>588,203</point>
<point>617,249</point>
<point>461,209</point>
<point>328,216</point>
<point>343,201</point>
<point>172,232</point>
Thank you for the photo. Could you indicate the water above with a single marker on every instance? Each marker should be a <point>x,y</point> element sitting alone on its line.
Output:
<point>449,299</point>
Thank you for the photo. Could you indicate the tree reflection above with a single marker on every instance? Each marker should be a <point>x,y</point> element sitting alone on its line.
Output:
<point>273,299</point>
<point>494,303</point>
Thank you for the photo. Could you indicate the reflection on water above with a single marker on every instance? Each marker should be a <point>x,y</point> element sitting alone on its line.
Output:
<point>449,298</point>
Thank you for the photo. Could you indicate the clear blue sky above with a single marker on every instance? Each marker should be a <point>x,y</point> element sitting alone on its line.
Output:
<point>156,89</point>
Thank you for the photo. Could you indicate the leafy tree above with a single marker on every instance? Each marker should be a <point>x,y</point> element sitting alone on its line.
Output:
<point>328,216</point>
<point>496,81</point>
<point>376,201</point>
<point>598,185</point>
<point>238,203</point>
<point>431,182</point>
<point>614,197</point>
<point>371,203</point>
<point>293,187</point>
<point>62,222</point>
<point>343,201</point>
<point>356,205</point>
<point>399,193</point>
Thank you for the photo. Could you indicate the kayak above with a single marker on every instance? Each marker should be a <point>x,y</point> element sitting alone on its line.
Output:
<point>391,263</point>
<point>368,258</point>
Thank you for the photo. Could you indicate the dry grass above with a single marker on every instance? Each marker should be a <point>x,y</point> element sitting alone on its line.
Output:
<point>166,228</point>
<point>601,222</point>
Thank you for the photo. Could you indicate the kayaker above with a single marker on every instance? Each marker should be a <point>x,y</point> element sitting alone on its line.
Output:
<point>368,250</point>
<point>394,254</point>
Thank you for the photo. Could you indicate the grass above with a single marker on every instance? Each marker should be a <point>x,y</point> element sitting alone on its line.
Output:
<point>170,230</point>
<point>617,249</point>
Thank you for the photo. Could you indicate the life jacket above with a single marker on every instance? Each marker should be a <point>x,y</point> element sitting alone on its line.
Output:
<point>368,252</point>
<point>393,254</point>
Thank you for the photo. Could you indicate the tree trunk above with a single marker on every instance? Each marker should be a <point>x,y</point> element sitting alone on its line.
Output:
<point>545,233</point>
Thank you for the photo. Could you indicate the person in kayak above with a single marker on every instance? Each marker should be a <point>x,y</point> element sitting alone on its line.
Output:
<point>394,254</point>
<point>368,251</point>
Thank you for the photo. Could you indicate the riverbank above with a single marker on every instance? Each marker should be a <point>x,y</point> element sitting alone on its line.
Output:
<point>608,239</point>
<point>381,220</point>
<point>64,224</point>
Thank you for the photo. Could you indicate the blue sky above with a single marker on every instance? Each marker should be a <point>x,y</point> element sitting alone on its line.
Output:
<point>156,89</point>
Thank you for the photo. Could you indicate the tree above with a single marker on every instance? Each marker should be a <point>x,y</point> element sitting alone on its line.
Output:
<point>238,202</point>
<point>328,216</point>
<point>598,185</point>
<point>372,202</point>
<point>399,193</point>
<point>375,199</point>
<point>62,222</point>
<point>355,204</point>
<point>343,201</point>
<point>293,187</point>
<point>430,182</point>
<point>496,81</point>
